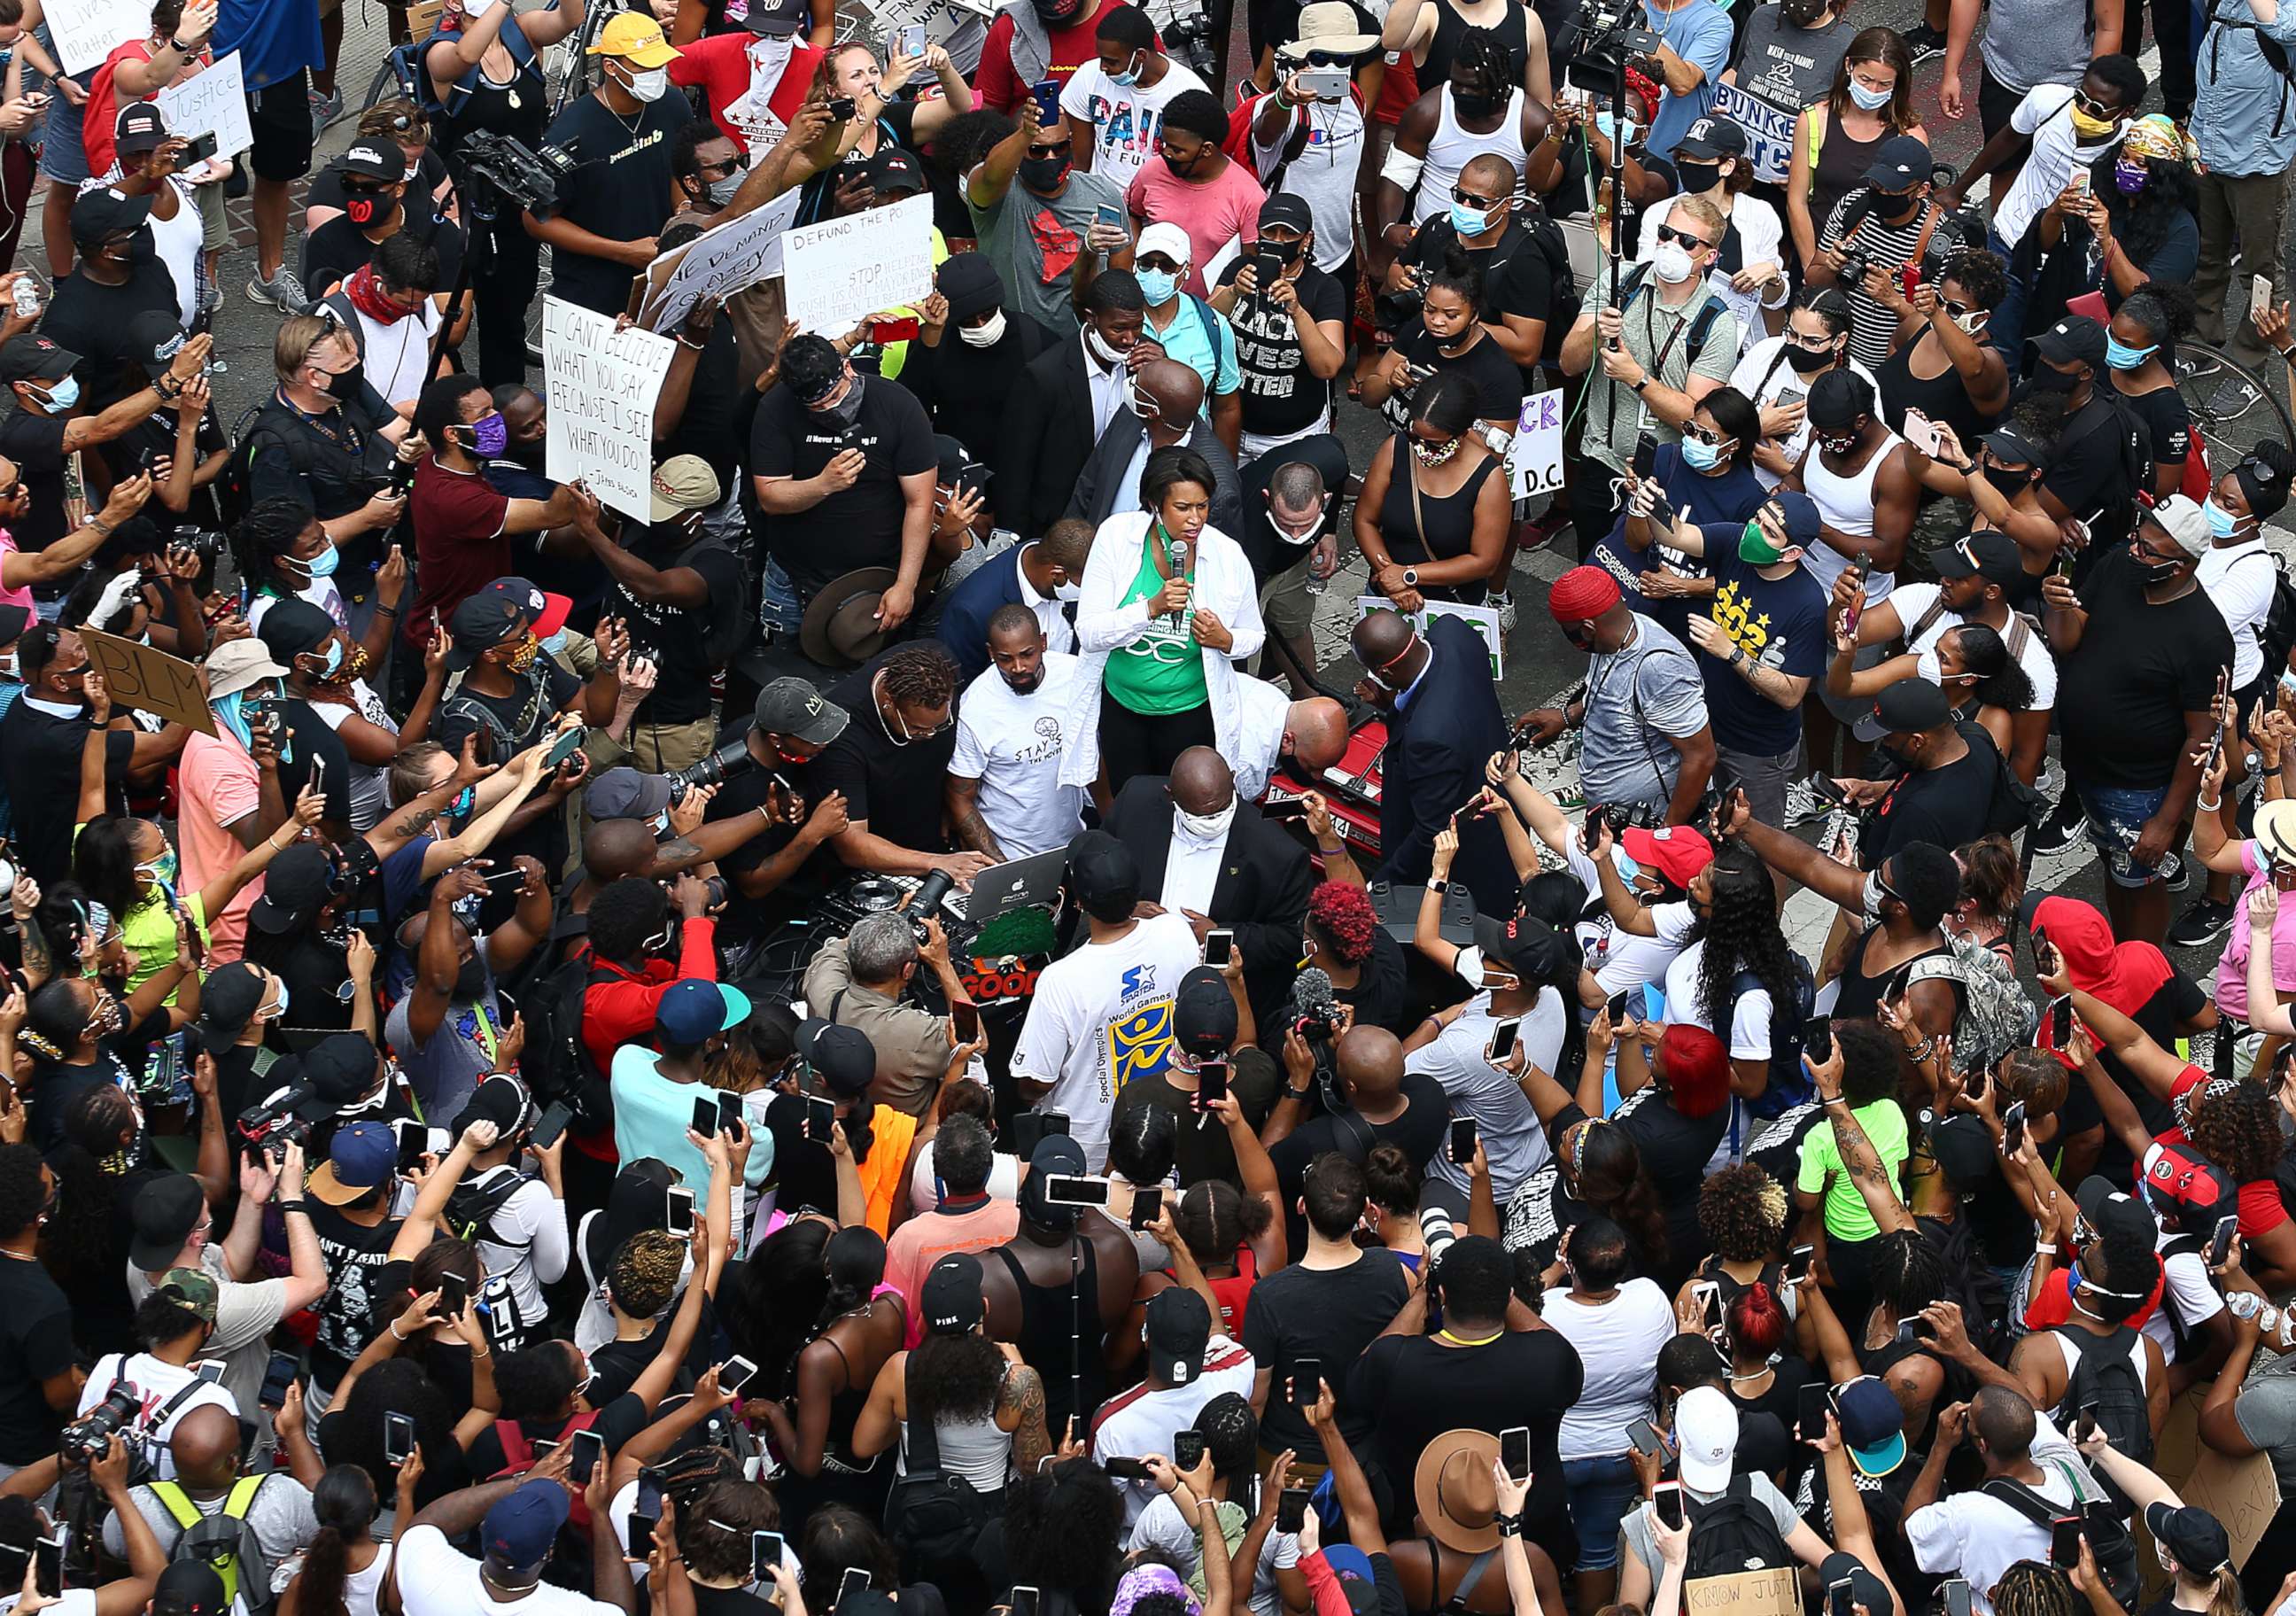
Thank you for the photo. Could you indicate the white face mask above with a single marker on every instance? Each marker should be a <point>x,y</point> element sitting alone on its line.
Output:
<point>1671,263</point>
<point>1068,592</point>
<point>986,334</point>
<point>1101,351</point>
<point>1207,827</point>
<point>648,85</point>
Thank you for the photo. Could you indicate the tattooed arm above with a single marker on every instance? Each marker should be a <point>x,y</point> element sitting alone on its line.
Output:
<point>1021,1410</point>
<point>1859,1158</point>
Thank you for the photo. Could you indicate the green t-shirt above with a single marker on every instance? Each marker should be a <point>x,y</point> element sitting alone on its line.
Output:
<point>1161,672</point>
<point>1845,1217</point>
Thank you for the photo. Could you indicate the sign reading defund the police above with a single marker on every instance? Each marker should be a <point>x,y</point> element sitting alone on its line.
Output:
<point>840,271</point>
<point>602,384</point>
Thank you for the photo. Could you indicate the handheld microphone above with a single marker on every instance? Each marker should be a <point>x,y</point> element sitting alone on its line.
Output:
<point>1179,570</point>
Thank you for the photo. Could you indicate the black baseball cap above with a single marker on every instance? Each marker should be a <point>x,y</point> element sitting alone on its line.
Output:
<point>1911,706</point>
<point>1991,555</point>
<point>32,357</point>
<point>893,170</point>
<point>951,1299</point>
<point>1204,1017</point>
<point>1102,871</point>
<point>163,1215</point>
<point>368,161</point>
<point>103,212</point>
<point>139,127</point>
<point>228,1000</point>
<point>1286,211</point>
<point>777,19</point>
<point>296,886</point>
<point>1900,163</point>
<point>1178,1329</point>
<point>2075,340</point>
<point>1710,139</point>
<point>153,340</point>
<point>843,1056</point>
<point>293,626</point>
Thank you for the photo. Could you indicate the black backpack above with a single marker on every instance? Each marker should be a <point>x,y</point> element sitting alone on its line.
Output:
<point>2105,1380</point>
<point>470,1208</point>
<point>1732,1534</point>
<point>556,1063</point>
<point>2279,637</point>
<point>1790,1085</point>
<point>2107,1533</point>
<point>234,486</point>
<point>933,1516</point>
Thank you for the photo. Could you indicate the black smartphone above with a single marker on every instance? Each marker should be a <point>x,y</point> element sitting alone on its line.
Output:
<point>1646,457</point>
<point>1514,1451</point>
<point>412,1136</point>
<point>588,1446</point>
<point>1898,985</point>
<point>1026,1601</point>
<point>1973,1085</point>
<point>681,1205</point>
<point>2220,1242</point>
<point>1145,1206</point>
<point>642,1521</point>
<point>1187,1450</point>
<point>1504,1033</point>
<point>1617,1008</point>
<point>48,1566</point>
<point>964,1015</point>
<point>1218,945</point>
<point>2012,1128</point>
<point>820,1117</point>
<point>1125,1469</point>
<point>1817,1041</point>
<point>705,1116</point>
<point>1068,1189</point>
<point>841,108</point>
<point>2085,1424</point>
<point>200,149</point>
<point>1665,1500</point>
<point>1212,1084</point>
<point>1306,1382</point>
<point>277,1376</point>
<point>1810,1405</point>
<point>1291,1509</point>
<point>856,1577</point>
<point>1838,1600</point>
<point>454,1295</point>
<point>1829,789</point>
<point>1463,1141</point>
<point>1268,266</point>
<point>2061,1022</point>
<point>2064,1542</point>
<point>1645,1438</point>
<point>1799,1262</point>
<point>765,1553</point>
<point>734,1374</point>
<point>1956,1597</point>
<point>398,1437</point>
<point>729,1110</point>
<point>551,1124</point>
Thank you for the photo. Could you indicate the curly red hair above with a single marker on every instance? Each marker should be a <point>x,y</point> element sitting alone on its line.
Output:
<point>1342,917</point>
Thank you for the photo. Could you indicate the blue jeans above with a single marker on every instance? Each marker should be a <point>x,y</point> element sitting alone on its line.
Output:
<point>2116,819</point>
<point>1600,1490</point>
<point>2007,329</point>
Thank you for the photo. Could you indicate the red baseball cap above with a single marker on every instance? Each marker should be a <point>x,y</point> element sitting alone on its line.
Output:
<point>1676,852</point>
<point>546,614</point>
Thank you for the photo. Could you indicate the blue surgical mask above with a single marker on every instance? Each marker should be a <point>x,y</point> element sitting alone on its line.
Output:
<point>324,563</point>
<point>1871,101</point>
<point>1131,74</point>
<point>555,643</point>
<point>334,654</point>
<point>64,394</point>
<point>2221,522</point>
<point>1700,456</point>
<point>1603,124</point>
<point>2122,356</point>
<point>1468,221</point>
<point>1157,285</point>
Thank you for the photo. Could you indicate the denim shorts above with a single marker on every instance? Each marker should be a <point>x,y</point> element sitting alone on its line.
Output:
<point>2116,819</point>
<point>63,156</point>
<point>1599,1490</point>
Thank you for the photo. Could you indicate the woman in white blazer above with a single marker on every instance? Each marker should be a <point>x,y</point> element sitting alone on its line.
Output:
<point>1161,641</point>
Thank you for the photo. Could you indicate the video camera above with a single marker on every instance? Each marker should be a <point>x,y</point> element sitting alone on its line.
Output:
<point>272,1122</point>
<point>1607,39</point>
<point>496,168</point>
<point>84,1440</point>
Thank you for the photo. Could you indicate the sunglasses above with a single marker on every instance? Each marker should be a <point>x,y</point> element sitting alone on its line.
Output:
<point>1959,311</point>
<point>1813,344</point>
<point>1691,429</point>
<point>1467,199</point>
<point>2094,108</point>
<point>1695,244</point>
<point>1061,149</point>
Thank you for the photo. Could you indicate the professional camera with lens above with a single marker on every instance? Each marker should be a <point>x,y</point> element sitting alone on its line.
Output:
<point>730,758</point>
<point>84,1440</point>
<point>1607,39</point>
<point>206,545</point>
<point>1391,311</point>
<point>1854,262</point>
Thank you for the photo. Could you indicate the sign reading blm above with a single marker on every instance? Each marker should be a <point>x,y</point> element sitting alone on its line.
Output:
<point>602,386</point>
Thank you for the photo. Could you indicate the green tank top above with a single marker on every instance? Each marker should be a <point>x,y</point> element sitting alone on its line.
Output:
<point>1161,672</point>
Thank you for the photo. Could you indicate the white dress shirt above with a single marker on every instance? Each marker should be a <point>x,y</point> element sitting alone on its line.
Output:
<point>1107,390</point>
<point>1259,736</point>
<point>1057,634</point>
<point>1191,869</point>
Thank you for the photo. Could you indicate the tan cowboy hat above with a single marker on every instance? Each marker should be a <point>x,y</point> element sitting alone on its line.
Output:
<point>840,629</point>
<point>1458,1502</point>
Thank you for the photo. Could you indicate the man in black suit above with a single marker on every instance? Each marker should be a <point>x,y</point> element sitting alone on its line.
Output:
<point>1208,854</point>
<point>1443,725</point>
<point>1043,574</point>
<point>1167,409</point>
<point>1067,395</point>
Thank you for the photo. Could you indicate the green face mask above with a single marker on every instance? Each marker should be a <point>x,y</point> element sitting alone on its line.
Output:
<point>1755,549</point>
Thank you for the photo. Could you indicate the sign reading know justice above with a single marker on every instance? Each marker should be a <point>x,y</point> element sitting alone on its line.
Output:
<point>602,384</point>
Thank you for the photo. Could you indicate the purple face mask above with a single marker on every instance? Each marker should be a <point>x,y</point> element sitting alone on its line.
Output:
<point>493,434</point>
<point>2129,178</point>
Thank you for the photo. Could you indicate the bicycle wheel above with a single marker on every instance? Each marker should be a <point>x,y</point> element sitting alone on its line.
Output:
<point>2232,408</point>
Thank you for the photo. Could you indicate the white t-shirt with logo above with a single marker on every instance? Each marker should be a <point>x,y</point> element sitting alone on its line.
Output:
<point>1324,174</point>
<point>2046,117</point>
<point>1765,377</point>
<point>1012,744</point>
<point>159,1382</point>
<point>1101,1019</point>
<point>1126,119</point>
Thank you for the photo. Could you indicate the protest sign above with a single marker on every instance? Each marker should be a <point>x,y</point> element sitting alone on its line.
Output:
<point>215,102</point>
<point>946,23</point>
<point>2243,1494</point>
<point>842,270</point>
<point>717,264</point>
<point>602,385</point>
<point>1772,1593</point>
<point>1535,456</point>
<point>1483,620</point>
<point>151,681</point>
<point>1769,131</point>
<point>83,32</point>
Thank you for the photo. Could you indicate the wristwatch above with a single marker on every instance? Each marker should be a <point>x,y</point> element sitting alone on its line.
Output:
<point>1438,886</point>
<point>1737,655</point>
<point>1411,578</point>
<point>1641,381</point>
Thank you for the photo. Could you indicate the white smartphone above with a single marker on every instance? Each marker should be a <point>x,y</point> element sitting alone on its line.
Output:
<point>2080,184</point>
<point>2260,293</point>
<point>1922,432</point>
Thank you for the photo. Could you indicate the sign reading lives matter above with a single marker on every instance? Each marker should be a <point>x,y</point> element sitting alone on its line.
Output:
<point>149,681</point>
<point>602,384</point>
<point>214,102</point>
<point>837,273</point>
<point>85,31</point>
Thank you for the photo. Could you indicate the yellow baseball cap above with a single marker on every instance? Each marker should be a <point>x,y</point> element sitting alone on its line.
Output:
<point>636,39</point>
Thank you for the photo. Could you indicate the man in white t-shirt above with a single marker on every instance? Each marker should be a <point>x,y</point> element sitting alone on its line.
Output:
<point>1975,1534</point>
<point>1518,957</point>
<point>1004,794</point>
<point>1114,105</point>
<point>177,1324</point>
<point>1102,1015</point>
<point>518,1522</point>
<point>1188,1366</point>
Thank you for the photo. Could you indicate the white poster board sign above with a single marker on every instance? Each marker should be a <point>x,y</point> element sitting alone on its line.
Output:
<point>840,271</point>
<point>1769,131</point>
<point>1535,456</point>
<point>718,263</point>
<point>85,31</point>
<point>1483,620</point>
<point>602,385</point>
<point>214,103</point>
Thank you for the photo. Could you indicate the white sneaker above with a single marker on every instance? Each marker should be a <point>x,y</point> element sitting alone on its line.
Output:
<point>1803,804</point>
<point>1503,604</point>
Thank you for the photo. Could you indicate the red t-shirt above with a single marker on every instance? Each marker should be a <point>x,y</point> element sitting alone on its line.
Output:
<point>1000,88</point>
<point>460,546</point>
<point>720,65</point>
<point>2261,1210</point>
<point>2054,1305</point>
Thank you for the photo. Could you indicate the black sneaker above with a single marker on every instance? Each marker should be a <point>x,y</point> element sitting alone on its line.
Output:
<point>1925,43</point>
<point>2176,873</point>
<point>2059,830</point>
<point>2202,922</point>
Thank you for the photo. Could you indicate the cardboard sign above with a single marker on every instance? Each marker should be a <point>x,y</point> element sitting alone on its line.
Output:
<point>602,385</point>
<point>717,264</point>
<point>1769,131</point>
<point>1535,457</point>
<point>215,102</point>
<point>1772,1593</point>
<point>149,681</point>
<point>841,271</point>
<point>1483,620</point>
<point>83,32</point>
<point>2243,1494</point>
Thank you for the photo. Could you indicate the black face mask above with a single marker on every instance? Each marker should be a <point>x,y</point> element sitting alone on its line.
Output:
<point>2157,571</point>
<point>470,981</point>
<point>2011,483</point>
<point>1697,177</point>
<point>2049,379</point>
<point>1895,210</point>
<point>1043,173</point>
<point>1806,362</point>
<point>1476,106</point>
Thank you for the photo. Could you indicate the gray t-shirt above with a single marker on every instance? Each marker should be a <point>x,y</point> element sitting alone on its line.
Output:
<point>280,1516</point>
<point>2036,42</point>
<point>2266,1413</point>
<point>1637,698</point>
<point>1790,67</point>
<point>1019,231</point>
<point>1650,328</point>
<point>1635,1526</point>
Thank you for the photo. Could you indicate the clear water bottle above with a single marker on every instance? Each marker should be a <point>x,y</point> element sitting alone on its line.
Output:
<point>27,296</point>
